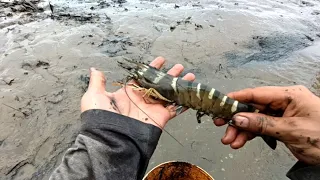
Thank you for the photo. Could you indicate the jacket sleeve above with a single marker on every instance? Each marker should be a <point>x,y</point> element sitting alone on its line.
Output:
<point>109,146</point>
<point>302,171</point>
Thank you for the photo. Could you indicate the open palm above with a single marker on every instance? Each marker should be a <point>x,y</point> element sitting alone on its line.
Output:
<point>129,102</point>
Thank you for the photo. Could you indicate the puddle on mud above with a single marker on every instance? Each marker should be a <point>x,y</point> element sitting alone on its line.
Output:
<point>45,54</point>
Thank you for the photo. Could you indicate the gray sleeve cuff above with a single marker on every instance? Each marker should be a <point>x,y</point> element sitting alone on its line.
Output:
<point>109,146</point>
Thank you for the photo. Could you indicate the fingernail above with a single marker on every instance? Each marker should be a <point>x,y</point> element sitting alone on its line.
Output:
<point>241,121</point>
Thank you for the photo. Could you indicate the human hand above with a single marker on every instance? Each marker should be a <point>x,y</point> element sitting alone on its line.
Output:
<point>298,128</point>
<point>136,106</point>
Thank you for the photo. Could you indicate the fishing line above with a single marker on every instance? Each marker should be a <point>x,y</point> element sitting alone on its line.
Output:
<point>125,89</point>
<point>193,151</point>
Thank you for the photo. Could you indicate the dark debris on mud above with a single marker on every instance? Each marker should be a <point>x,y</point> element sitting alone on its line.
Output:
<point>8,81</point>
<point>42,63</point>
<point>27,10</point>
<point>85,82</point>
<point>182,22</point>
<point>115,45</point>
<point>268,48</point>
<point>102,4</point>
<point>35,64</point>
<point>114,3</point>
<point>119,1</point>
<point>316,12</point>
<point>185,22</point>
<point>20,6</point>
<point>307,3</point>
<point>65,15</point>
<point>85,18</point>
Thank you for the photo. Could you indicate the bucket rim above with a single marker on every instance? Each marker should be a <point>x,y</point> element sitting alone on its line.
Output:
<point>174,161</point>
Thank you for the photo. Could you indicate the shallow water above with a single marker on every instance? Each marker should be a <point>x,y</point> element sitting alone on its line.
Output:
<point>42,61</point>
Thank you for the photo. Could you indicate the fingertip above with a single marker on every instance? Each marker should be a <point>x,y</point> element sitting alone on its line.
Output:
<point>230,135</point>
<point>160,58</point>
<point>97,80</point>
<point>219,122</point>
<point>176,70</point>
<point>240,141</point>
<point>92,69</point>
<point>179,66</point>
<point>189,77</point>
<point>237,145</point>
<point>94,73</point>
<point>223,141</point>
<point>158,62</point>
<point>231,95</point>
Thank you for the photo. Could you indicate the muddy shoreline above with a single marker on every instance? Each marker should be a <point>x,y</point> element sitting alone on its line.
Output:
<point>47,49</point>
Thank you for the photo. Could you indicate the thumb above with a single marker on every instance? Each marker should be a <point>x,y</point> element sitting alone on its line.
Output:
<point>97,81</point>
<point>258,123</point>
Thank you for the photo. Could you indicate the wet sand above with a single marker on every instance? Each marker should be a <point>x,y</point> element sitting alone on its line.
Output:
<point>45,57</point>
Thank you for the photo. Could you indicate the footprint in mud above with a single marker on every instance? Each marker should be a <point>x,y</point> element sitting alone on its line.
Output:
<point>33,65</point>
<point>56,97</point>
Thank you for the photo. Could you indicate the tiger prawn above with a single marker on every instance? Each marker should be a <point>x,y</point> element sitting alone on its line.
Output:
<point>206,100</point>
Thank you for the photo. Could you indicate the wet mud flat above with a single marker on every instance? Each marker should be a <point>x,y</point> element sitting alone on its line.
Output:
<point>47,48</point>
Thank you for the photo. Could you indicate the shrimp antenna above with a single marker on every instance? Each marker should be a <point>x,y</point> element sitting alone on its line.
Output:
<point>125,90</point>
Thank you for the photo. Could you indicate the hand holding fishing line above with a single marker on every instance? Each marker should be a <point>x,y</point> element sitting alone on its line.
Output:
<point>120,101</point>
<point>298,129</point>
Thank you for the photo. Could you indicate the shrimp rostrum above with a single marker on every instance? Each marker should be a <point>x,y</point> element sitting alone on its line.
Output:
<point>206,100</point>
